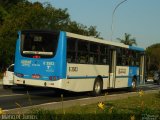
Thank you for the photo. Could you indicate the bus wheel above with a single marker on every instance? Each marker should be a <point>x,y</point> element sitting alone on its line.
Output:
<point>134,85</point>
<point>97,88</point>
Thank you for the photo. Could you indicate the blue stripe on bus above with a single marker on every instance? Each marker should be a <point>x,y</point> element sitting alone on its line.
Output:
<point>136,48</point>
<point>84,77</point>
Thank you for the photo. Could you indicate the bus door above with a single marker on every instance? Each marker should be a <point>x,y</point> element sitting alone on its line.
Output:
<point>112,69</point>
<point>141,68</point>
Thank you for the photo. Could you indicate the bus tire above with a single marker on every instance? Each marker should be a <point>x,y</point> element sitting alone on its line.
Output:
<point>133,88</point>
<point>97,88</point>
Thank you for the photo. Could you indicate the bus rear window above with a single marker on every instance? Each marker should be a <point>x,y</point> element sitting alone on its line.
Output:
<point>39,44</point>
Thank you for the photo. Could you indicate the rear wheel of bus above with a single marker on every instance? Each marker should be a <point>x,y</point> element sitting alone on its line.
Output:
<point>97,88</point>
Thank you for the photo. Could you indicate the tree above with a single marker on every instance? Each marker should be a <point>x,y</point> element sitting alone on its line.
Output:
<point>78,28</point>
<point>7,4</point>
<point>153,56</point>
<point>127,40</point>
<point>3,13</point>
<point>26,15</point>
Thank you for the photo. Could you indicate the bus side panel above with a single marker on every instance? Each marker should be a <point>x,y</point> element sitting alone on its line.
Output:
<point>81,77</point>
<point>133,71</point>
<point>121,76</point>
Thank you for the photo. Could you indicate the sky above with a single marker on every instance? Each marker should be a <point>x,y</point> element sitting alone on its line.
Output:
<point>140,18</point>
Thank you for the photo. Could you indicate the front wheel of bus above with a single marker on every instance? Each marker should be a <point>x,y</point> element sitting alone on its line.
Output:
<point>134,85</point>
<point>97,88</point>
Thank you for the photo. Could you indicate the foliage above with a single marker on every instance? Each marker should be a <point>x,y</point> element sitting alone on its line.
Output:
<point>7,4</point>
<point>127,40</point>
<point>138,107</point>
<point>130,108</point>
<point>3,13</point>
<point>153,56</point>
<point>18,15</point>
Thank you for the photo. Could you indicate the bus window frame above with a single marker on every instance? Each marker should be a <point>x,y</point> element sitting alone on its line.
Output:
<point>39,53</point>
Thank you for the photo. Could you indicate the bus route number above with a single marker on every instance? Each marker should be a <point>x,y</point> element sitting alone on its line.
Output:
<point>73,69</point>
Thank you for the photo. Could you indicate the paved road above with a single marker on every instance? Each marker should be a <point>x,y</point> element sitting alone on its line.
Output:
<point>12,98</point>
<point>9,98</point>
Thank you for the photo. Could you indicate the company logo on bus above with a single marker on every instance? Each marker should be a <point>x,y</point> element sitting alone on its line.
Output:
<point>36,76</point>
<point>122,71</point>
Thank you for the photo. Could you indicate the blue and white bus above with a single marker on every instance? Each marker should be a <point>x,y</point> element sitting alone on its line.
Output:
<point>76,63</point>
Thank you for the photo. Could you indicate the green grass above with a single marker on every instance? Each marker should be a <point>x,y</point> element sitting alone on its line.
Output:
<point>130,108</point>
<point>151,101</point>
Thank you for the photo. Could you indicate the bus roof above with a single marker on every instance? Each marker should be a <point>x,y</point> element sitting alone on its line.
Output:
<point>88,38</point>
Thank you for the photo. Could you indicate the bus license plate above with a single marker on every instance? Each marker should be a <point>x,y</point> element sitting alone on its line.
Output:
<point>35,76</point>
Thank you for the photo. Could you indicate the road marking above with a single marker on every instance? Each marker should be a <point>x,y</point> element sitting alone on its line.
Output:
<point>33,93</point>
<point>10,95</point>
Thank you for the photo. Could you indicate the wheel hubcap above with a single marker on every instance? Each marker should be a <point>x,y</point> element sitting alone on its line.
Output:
<point>133,84</point>
<point>97,87</point>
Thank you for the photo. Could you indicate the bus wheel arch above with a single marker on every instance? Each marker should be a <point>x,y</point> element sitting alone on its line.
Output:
<point>97,86</point>
<point>134,83</point>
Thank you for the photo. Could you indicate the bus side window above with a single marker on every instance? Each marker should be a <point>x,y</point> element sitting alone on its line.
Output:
<point>94,53</point>
<point>137,61</point>
<point>122,57</point>
<point>104,54</point>
<point>71,50</point>
<point>83,48</point>
<point>119,57</point>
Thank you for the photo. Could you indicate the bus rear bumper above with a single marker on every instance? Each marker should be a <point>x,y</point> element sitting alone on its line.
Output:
<point>38,83</point>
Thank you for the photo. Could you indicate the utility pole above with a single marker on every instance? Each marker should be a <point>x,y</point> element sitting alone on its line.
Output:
<point>113,16</point>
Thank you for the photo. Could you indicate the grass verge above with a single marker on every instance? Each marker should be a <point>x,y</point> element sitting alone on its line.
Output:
<point>144,106</point>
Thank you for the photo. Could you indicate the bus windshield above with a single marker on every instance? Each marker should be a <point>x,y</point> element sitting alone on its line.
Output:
<point>40,44</point>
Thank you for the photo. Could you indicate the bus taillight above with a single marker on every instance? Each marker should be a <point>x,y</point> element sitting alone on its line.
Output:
<point>53,77</point>
<point>35,76</point>
<point>36,56</point>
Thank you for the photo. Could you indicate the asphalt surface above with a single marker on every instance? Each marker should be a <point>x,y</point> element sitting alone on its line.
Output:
<point>12,98</point>
<point>22,97</point>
